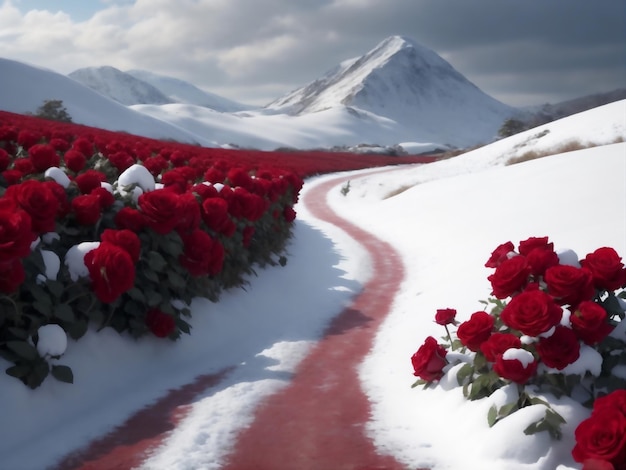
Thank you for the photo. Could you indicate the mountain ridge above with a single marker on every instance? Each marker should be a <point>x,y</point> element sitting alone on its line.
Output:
<point>119,86</point>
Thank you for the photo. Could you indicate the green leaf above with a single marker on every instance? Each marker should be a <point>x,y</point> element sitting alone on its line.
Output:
<point>151,276</point>
<point>612,305</point>
<point>77,329</point>
<point>418,382</point>
<point>183,326</point>
<point>38,374</point>
<point>23,349</point>
<point>18,371</point>
<point>19,333</point>
<point>176,280</point>
<point>492,414</point>
<point>45,308</point>
<point>65,312</point>
<point>464,373</point>
<point>156,261</point>
<point>137,294</point>
<point>506,410</point>
<point>39,294</point>
<point>551,423</point>
<point>56,288</point>
<point>63,374</point>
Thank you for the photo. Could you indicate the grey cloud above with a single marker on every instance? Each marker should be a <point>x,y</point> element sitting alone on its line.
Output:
<point>247,48</point>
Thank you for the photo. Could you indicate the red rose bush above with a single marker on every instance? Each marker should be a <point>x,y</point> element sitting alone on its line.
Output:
<point>103,230</point>
<point>556,328</point>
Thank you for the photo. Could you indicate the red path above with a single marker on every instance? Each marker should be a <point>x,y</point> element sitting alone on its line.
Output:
<point>318,421</point>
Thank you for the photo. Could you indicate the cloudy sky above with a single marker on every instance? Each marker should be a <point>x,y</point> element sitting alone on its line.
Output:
<point>522,52</point>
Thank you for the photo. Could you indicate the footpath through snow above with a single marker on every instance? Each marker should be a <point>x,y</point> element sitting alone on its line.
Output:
<point>317,421</point>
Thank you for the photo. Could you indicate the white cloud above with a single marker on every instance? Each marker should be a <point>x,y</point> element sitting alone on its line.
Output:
<point>267,45</point>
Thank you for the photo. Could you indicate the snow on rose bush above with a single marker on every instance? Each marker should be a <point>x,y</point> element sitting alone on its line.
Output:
<point>556,327</point>
<point>116,231</point>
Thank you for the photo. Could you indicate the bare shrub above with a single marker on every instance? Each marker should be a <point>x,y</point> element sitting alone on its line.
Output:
<point>568,146</point>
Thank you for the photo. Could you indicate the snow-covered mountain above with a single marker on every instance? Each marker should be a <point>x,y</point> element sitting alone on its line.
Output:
<point>410,84</point>
<point>180,91</point>
<point>25,87</point>
<point>119,86</point>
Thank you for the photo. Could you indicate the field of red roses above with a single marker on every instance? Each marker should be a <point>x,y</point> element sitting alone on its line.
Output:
<point>105,229</point>
<point>547,311</point>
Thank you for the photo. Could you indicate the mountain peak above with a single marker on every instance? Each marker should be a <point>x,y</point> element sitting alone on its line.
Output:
<point>404,81</point>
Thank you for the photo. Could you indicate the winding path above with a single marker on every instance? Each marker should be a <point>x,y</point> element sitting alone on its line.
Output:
<point>318,421</point>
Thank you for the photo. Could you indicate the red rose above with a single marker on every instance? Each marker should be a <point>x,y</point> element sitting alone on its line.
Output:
<point>178,158</point>
<point>59,192</point>
<point>510,276</point>
<point>24,166</point>
<point>190,216</point>
<point>569,284</point>
<point>28,138</point>
<point>104,196</point>
<point>112,271</point>
<point>89,180</point>
<point>12,275</point>
<point>532,243</point>
<point>12,176</point>
<point>84,146</point>
<point>541,259</point>
<point>532,312</point>
<point>499,254</point>
<point>4,159</point>
<point>615,401</point>
<point>590,322</point>
<point>121,160</point>
<point>595,464</point>
<point>204,191</point>
<point>607,269</point>
<point>244,204</point>
<point>87,209</point>
<point>38,200</point>
<point>215,215</point>
<point>289,214</point>
<point>59,143</point>
<point>126,239</point>
<point>161,324</point>
<point>560,349</point>
<point>155,165</point>
<point>74,160</point>
<point>239,177</point>
<point>429,360</point>
<point>160,209</point>
<point>178,179</point>
<point>511,368</point>
<point>129,218</point>
<point>15,234</point>
<point>215,175</point>
<point>445,316</point>
<point>475,331</point>
<point>603,437</point>
<point>202,254</point>
<point>497,344</point>
<point>43,156</point>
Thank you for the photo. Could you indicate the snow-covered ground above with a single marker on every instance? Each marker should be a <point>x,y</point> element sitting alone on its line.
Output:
<point>445,218</point>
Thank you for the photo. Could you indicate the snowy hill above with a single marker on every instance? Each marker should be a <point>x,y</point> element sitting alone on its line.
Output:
<point>25,87</point>
<point>410,84</point>
<point>577,199</point>
<point>180,91</point>
<point>119,86</point>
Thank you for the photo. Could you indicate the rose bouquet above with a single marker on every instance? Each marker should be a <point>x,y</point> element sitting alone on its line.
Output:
<point>556,326</point>
<point>123,233</point>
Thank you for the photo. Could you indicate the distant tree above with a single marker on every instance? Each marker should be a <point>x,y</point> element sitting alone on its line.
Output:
<point>54,110</point>
<point>511,127</point>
